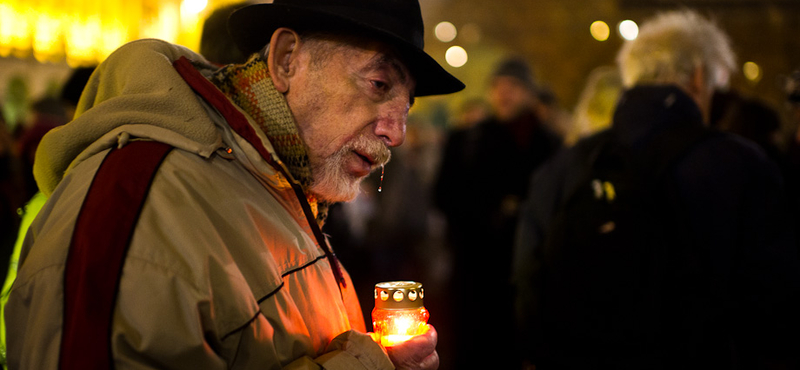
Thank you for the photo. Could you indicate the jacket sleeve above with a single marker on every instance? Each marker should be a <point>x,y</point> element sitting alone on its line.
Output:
<point>208,287</point>
<point>162,323</point>
<point>349,350</point>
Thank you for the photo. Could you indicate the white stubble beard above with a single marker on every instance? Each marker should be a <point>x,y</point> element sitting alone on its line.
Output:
<point>332,183</point>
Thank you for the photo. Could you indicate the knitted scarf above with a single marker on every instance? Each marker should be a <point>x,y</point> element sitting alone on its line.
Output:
<point>250,87</point>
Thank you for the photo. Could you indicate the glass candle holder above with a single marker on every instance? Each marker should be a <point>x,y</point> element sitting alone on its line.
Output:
<point>399,313</point>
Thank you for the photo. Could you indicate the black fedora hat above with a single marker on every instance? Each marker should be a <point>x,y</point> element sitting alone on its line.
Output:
<point>398,22</point>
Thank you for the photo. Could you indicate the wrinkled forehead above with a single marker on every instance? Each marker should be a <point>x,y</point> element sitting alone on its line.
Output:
<point>384,53</point>
<point>389,61</point>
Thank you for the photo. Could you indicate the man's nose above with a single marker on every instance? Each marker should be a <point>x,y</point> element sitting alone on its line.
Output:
<point>391,126</point>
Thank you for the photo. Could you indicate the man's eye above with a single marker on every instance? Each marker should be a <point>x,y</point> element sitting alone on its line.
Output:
<point>380,85</point>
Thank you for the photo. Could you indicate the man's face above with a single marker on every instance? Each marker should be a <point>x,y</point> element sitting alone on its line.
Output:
<point>351,105</point>
<point>509,97</point>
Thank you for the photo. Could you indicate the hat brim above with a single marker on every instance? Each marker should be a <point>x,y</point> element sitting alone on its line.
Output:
<point>252,26</point>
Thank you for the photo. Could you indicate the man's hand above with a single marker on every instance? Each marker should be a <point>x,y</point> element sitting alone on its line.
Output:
<point>418,353</point>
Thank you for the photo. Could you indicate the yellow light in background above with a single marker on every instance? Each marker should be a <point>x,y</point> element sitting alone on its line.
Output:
<point>21,39</point>
<point>82,27</point>
<point>85,32</point>
<point>193,7</point>
<point>7,26</point>
<point>600,30</point>
<point>456,56</point>
<point>47,31</point>
<point>81,40</point>
<point>752,71</point>
<point>445,31</point>
<point>164,24</point>
<point>191,22</point>
<point>628,29</point>
<point>118,19</point>
<point>47,37</point>
<point>15,30</point>
<point>114,35</point>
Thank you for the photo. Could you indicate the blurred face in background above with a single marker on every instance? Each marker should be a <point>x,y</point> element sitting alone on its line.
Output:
<point>510,98</point>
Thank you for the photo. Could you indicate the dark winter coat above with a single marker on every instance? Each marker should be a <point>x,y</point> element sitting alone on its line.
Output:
<point>731,197</point>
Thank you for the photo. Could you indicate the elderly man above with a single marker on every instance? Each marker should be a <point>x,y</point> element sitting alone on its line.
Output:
<point>182,229</point>
<point>657,243</point>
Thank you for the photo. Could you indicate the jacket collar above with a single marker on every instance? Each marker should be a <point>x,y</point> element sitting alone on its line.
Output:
<point>239,123</point>
<point>643,112</point>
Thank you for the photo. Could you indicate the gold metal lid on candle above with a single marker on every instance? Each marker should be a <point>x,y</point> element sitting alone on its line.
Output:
<point>393,295</point>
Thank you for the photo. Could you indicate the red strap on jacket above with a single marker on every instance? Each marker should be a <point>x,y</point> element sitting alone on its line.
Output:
<point>97,253</point>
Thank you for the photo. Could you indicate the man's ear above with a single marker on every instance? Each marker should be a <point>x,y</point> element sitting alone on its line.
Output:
<point>281,56</point>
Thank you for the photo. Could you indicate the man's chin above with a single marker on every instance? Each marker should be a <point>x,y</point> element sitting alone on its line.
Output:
<point>337,191</point>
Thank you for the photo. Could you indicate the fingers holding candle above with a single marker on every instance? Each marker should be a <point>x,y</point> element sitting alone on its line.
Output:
<point>417,353</point>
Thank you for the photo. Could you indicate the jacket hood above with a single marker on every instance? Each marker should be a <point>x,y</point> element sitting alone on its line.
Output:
<point>135,92</point>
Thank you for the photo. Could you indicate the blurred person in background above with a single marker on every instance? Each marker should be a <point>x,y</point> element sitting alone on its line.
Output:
<point>185,201</point>
<point>16,104</point>
<point>10,190</point>
<point>480,184</point>
<point>756,120</point>
<point>68,102</point>
<point>750,118</point>
<point>452,166</point>
<point>46,114</point>
<point>470,113</point>
<point>711,280</point>
<point>553,116</point>
<point>596,104</point>
<point>14,112</point>
<point>73,87</point>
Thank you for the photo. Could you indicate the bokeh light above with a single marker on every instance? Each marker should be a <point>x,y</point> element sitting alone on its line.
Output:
<point>445,31</point>
<point>456,56</point>
<point>82,32</point>
<point>600,30</point>
<point>193,7</point>
<point>47,37</point>
<point>628,29</point>
<point>752,71</point>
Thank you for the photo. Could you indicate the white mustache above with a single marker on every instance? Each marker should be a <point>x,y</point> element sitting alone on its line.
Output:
<point>376,150</point>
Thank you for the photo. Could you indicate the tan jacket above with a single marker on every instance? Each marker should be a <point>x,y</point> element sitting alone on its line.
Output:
<point>223,271</point>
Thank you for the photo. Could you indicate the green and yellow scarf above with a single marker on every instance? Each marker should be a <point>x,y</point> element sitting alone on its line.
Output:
<point>250,87</point>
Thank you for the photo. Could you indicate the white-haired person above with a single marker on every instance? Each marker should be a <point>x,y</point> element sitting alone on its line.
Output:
<point>658,243</point>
